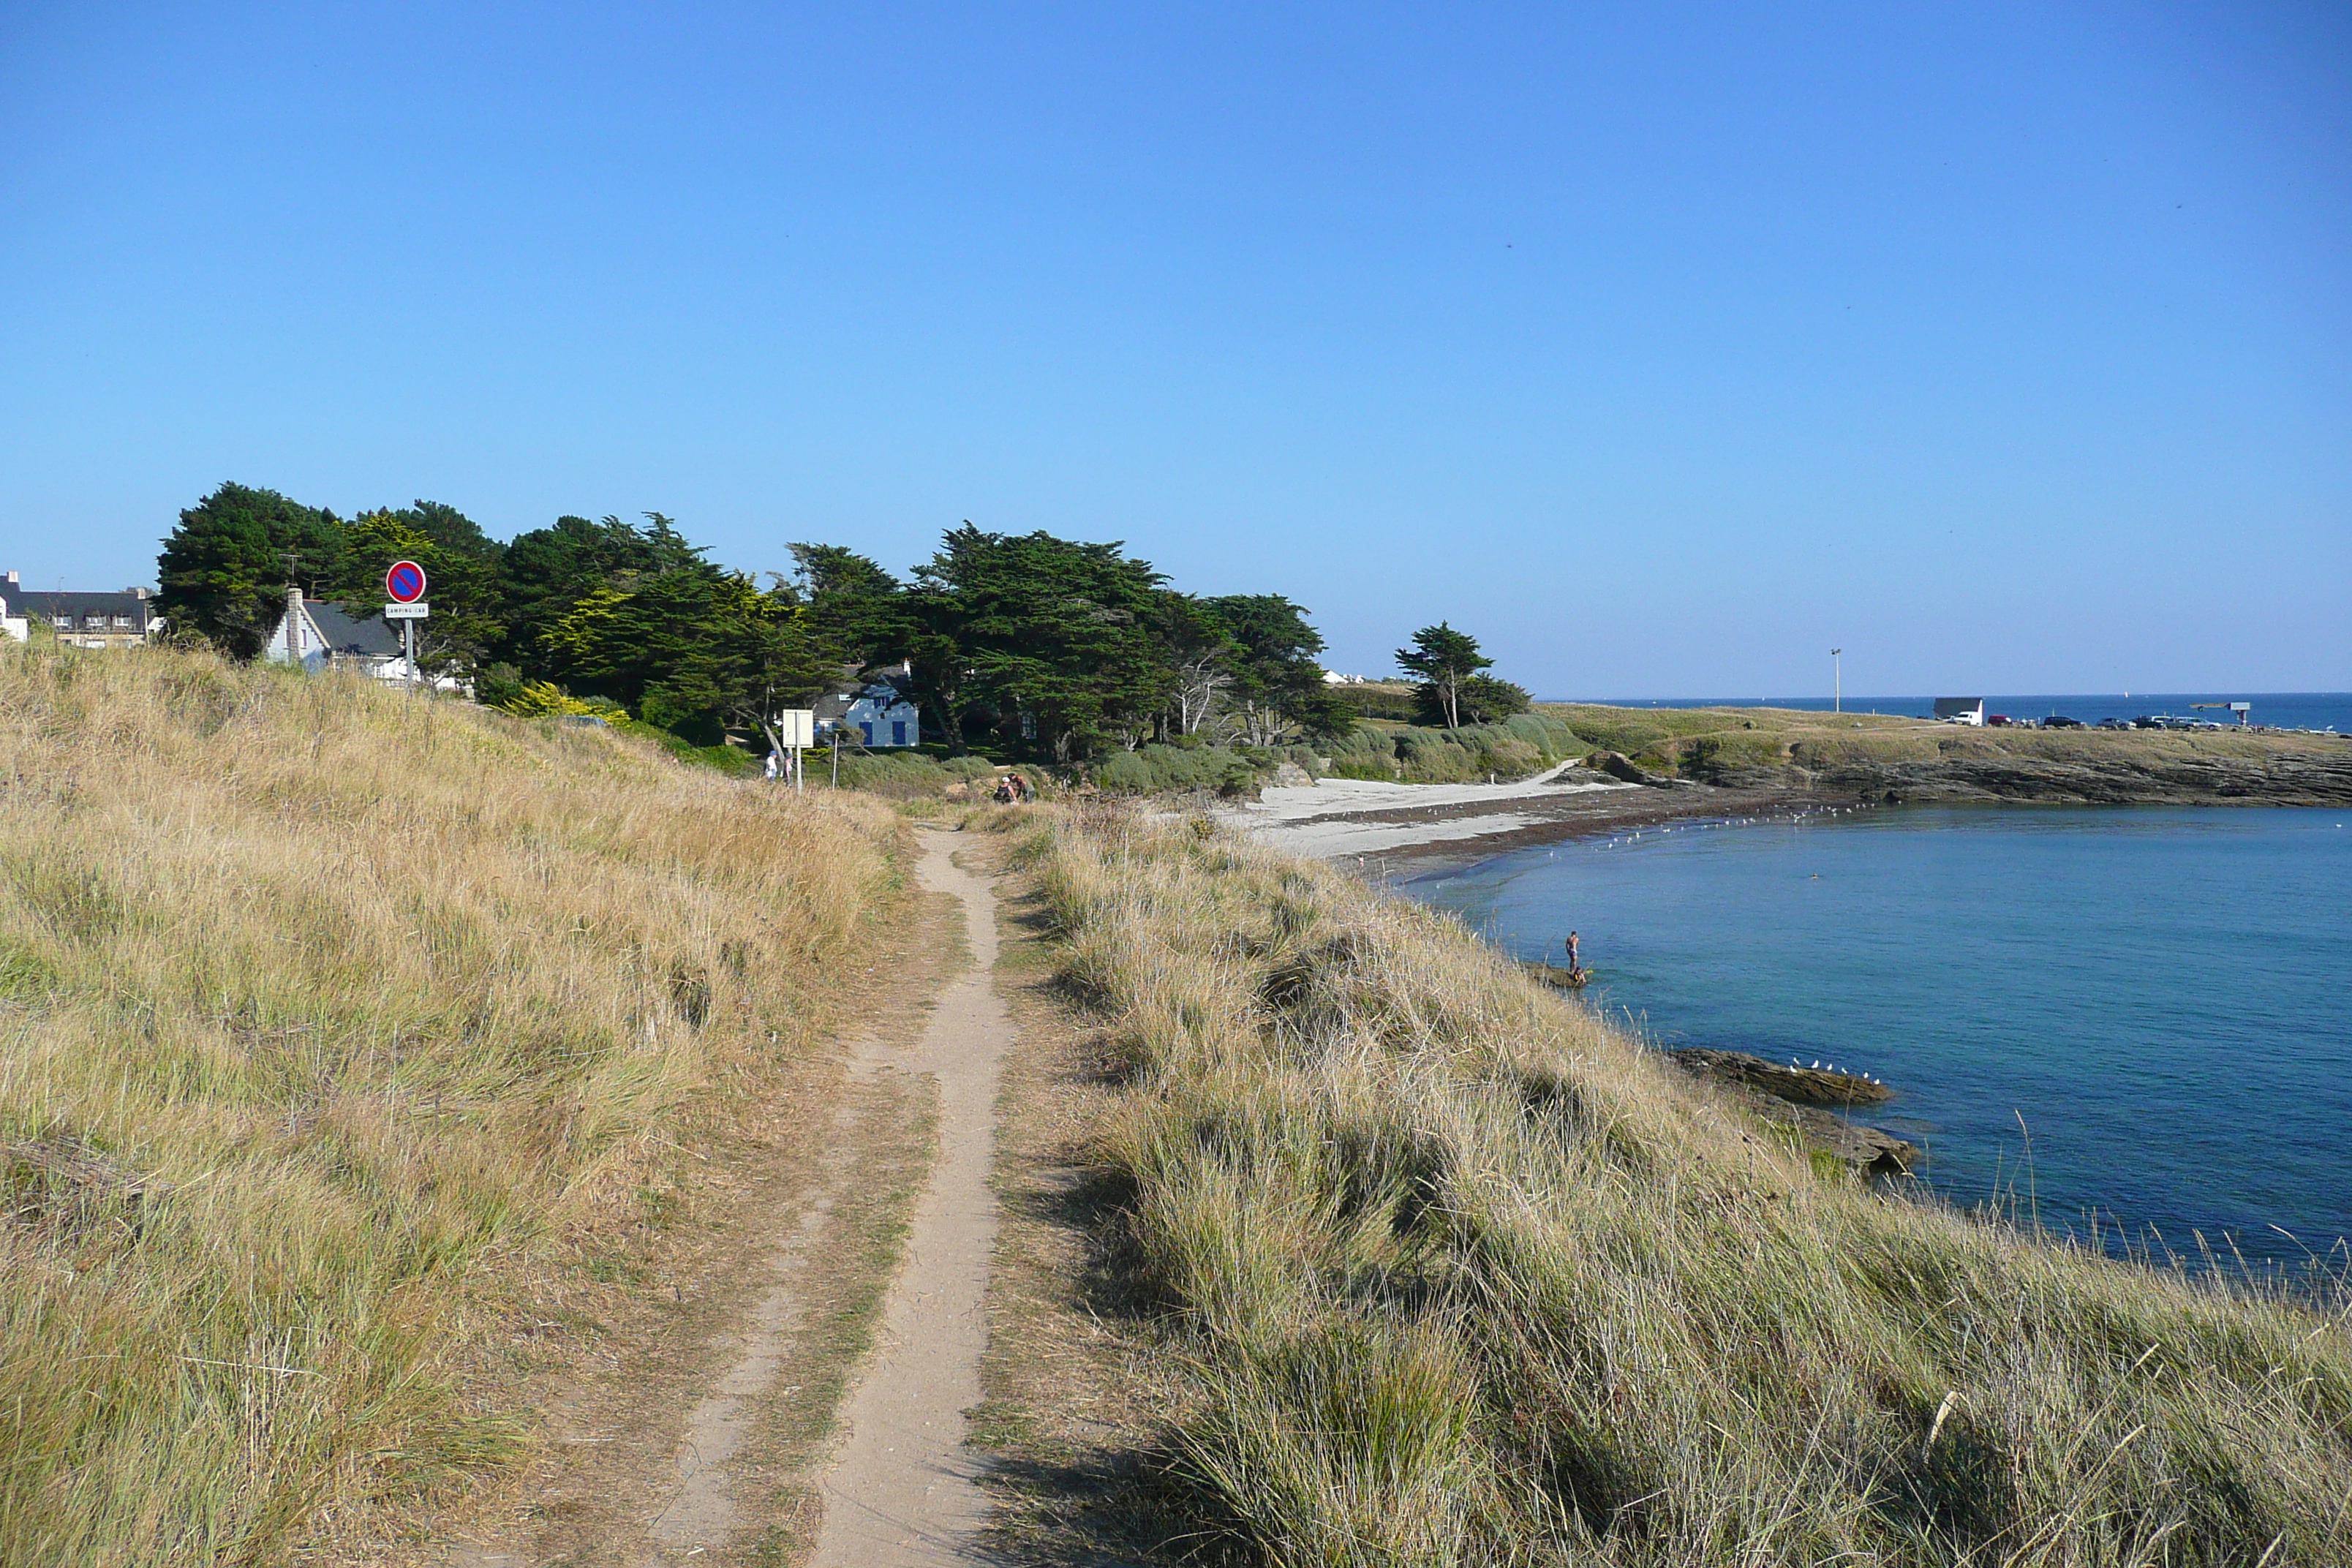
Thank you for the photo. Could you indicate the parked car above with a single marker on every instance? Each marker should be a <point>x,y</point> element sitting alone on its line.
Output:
<point>2060,721</point>
<point>2115,724</point>
<point>1997,721</point>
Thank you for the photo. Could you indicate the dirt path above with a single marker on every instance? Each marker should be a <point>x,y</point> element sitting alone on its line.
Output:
<point>904,1490</point>
<point>688,1410</point>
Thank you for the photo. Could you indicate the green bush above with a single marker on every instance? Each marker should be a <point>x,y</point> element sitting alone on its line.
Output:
<point>1365,752</point>
<point>902,775</point>
<point>1518,746</point>
<point>1175,769</point>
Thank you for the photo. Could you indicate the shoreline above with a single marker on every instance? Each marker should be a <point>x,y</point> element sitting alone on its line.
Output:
<point>1380,830</point>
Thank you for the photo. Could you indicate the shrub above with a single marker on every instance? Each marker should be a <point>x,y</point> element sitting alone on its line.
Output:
<point>1515,747</point>
<point>1178,769</point>
<point>904,775</point>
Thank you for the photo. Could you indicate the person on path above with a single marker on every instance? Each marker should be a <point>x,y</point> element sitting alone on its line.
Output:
<point>771,766</point>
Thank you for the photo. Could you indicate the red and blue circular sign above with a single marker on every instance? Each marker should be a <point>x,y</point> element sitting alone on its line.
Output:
<point>404,582</point>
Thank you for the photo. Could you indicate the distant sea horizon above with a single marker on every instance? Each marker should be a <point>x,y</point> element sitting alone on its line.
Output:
<point>2276,709</point>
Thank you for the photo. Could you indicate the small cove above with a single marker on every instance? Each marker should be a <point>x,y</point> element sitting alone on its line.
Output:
<point>2162,996</point>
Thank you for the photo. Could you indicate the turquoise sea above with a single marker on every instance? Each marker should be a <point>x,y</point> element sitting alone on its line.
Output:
<point>2160,999</point>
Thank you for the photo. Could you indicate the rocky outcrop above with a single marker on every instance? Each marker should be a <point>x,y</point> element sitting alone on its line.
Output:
<point>2090,770</point>
<point>1804,1085</point>
<point>1868,1150</point>
<point>1618,765</point>
<point>2284,778</point>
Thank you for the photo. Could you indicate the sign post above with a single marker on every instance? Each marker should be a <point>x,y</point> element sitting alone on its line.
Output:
<point>405,585</point>
<point>796,728</point>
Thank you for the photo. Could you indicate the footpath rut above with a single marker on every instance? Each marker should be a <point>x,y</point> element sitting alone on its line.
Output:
<point>903,1491</point>
<point>672,1471</point>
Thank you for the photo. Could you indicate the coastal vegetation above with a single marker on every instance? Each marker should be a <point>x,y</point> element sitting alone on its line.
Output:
<point>1508,749</point>
<point>1881,754</point>
<point>325,1015</point>
<point>1437,1268</point>
<point>1025,645</point>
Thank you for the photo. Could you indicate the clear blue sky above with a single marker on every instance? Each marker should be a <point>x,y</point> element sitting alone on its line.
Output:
<point>2007,346</point>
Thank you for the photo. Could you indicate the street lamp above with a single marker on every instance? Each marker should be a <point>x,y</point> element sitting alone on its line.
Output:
<point>1837,678</point>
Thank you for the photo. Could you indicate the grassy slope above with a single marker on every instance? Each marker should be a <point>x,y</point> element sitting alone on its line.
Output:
<point>1702,742</point>
<point>376,1000</point>
<point>1456,1274</point>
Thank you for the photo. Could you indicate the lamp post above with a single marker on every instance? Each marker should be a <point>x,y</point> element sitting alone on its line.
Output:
<point>1837,680</point>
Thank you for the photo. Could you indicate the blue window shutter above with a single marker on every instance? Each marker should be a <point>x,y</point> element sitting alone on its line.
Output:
<point>898,732</point>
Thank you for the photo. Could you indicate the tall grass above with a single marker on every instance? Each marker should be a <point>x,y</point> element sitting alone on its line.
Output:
<point>318,1007</point>
<point>1456,1274</point>
<point>1507,749</point>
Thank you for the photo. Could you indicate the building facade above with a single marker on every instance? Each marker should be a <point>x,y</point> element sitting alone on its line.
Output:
<point>127,619</point>
<point>317,635</point>
<point>1960,710</point>
<point>876,717</point>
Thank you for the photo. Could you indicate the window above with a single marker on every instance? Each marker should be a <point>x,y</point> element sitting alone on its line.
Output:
<point>868,729</point>
<point>123,622</point>
<point>898,732</point>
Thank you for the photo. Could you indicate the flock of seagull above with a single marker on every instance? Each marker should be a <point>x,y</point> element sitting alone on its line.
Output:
<point>1792,819</point>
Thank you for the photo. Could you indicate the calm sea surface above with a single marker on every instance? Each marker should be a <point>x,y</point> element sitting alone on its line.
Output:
<point>2164,995</point>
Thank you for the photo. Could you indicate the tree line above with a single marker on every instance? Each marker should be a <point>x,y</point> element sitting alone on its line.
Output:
<point>1024,643</point>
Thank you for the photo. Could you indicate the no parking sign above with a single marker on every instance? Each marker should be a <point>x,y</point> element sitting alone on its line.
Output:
<point>405,584</point>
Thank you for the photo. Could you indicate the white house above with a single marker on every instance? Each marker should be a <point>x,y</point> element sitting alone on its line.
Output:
<point>876,716</point>
<point>317,635</point>
<point>1959,709</point>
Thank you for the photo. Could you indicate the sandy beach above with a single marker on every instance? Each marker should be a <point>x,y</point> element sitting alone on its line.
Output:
<point>1390,826</point>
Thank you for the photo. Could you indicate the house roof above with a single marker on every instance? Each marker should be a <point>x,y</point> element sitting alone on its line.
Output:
<point>347,639</point>
<point>54,604</point>
<point>832,705</point>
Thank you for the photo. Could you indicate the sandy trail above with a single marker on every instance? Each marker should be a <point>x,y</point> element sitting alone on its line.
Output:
<point>903,1490</point>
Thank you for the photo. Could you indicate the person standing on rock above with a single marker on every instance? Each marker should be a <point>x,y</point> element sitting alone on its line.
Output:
<point>1575,955</point>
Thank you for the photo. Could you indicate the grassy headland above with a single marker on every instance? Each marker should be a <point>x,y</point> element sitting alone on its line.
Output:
<point>320,1012</point>
<point>1450,1272</point>
<point>1877,754</point>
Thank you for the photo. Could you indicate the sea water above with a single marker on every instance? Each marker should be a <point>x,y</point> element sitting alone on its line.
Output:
<point>2143,1014</point>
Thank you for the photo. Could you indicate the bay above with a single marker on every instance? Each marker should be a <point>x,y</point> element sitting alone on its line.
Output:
<point>2143,1014</point>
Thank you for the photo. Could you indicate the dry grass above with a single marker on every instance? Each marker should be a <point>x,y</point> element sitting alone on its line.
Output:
<point>1705,741</point>
<point>320,1010</point>
<point>1454,1274</point>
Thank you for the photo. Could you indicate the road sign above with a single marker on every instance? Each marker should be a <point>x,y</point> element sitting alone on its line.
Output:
<point>796,727</point>
<point>405,584</point>
<point>407,612</point>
